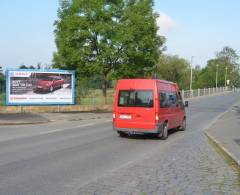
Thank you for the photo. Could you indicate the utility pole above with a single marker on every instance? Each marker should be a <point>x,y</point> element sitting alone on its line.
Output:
<point>226,77</point>
<point>217,76</point>
<point>191,65</point>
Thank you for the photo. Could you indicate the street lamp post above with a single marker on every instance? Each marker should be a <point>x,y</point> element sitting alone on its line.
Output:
<point>226,77</point>
<point>217,76</point>
<point>191,65</point>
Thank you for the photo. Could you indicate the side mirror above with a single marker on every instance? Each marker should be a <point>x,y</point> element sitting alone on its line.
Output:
<point>186,104</point>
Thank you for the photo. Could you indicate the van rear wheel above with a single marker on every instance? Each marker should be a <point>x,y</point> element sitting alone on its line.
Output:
<point>164,134</point>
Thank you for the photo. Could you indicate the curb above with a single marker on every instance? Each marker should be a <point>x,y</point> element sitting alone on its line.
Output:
<point>225,150</point>
<point>217,143</point>
<point>10,123</point>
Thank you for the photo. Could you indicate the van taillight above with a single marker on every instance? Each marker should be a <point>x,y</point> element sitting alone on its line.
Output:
<point>156,117</point>
<point>114,115</point>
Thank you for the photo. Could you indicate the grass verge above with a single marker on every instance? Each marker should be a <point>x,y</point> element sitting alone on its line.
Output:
<point>226,157</point>
<point>2,99</point>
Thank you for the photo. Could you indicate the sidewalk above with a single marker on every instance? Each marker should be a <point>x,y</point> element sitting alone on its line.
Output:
<point>226,133</point>
<point>22,118</point>
<point>36,118</point>
<point>76,116</point>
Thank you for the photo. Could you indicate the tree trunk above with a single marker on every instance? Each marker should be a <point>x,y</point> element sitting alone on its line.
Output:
<point>104,88</point>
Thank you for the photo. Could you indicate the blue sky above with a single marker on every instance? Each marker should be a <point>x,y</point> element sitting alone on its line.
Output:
<point>192,28</point>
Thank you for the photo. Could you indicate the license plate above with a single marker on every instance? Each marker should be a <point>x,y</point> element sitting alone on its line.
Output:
<point>125,117</point>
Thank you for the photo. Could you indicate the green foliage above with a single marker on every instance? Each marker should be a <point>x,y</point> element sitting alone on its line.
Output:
<point>228,55</point>
<point>94,97</point>
<point>175,69</point>
<point>138,33</point>
<point>2,78</point>
<point>226,64</point>
<point>23,66</point>
<point>112,39</point>
<point>85,87</point>
<point>2,99</point>
<point>38,66</point>
<point>2,83</point>
<point>26,67</point>
<point>206,78</point>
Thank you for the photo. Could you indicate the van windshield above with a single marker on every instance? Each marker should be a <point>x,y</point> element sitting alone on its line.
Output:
<point>135,98</point>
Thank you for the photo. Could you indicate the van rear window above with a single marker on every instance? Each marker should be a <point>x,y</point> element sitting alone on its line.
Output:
<point>135,98</point>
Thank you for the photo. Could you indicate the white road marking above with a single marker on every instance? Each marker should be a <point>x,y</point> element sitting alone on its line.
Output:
<point>72,128</point>
<point>64,129</point>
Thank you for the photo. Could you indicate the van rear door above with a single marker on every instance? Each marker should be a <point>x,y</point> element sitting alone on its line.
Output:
<point>136,109</point>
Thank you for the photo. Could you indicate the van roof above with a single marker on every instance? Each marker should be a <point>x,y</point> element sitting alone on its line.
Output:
<point>156,80</point>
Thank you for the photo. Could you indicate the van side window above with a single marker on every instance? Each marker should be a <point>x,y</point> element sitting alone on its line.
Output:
<point>180,100</point>
<point>172,99</point>
<point>164,100</point>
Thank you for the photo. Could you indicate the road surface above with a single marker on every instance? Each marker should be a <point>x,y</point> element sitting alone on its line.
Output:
<point>87,157</point>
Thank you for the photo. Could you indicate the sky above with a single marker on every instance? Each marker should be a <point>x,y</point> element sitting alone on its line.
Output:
<point>192,28</point>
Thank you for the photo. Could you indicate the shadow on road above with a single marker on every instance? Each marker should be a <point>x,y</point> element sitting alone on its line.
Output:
<point>150,136</point>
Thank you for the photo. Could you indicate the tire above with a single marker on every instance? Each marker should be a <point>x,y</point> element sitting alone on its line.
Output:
<point>122,134</point>
<point>165,132</point>
<point>184,125</point>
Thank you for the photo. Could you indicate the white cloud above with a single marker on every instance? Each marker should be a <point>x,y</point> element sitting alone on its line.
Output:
<point>165,23</point>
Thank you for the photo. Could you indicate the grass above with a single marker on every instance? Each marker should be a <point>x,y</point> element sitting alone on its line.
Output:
<point>95,97</point>
<point>228,159</point>
<point>2,99</point>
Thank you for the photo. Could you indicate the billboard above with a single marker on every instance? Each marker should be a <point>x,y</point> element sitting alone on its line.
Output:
<point>38,87</point>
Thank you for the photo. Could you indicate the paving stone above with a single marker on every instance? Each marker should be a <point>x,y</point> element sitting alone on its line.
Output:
<point>191,166</point>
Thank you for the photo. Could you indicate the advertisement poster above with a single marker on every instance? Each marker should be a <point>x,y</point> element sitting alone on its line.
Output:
<point>36,87</point>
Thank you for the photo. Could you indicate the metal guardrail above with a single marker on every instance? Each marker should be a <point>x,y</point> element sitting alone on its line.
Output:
<point>206,92</point>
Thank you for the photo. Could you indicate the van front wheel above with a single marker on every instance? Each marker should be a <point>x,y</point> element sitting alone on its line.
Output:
<point>184,125</point>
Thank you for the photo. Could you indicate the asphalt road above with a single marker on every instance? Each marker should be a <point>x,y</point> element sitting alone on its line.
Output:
<point>78,157</point>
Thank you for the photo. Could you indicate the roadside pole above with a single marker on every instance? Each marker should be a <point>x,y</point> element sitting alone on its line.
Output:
<point>191,65</point>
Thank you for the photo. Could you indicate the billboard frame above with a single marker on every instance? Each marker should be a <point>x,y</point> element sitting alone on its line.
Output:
<point>7,89</point>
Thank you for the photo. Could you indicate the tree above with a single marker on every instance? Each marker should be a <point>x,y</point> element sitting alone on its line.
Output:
<point>112,39</point>
<point>228,59</point>
<point>207,76</point>
<point>142,44</point>
<point>228,55</point>
<point>23,66</point>
<point>39,65</point>
<point>31,67</point>
<point>1,80</point>
<point>175,69</point>
<point>1,74</point>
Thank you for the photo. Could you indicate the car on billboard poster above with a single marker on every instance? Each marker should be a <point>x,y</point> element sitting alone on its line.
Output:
<point>33,87</point>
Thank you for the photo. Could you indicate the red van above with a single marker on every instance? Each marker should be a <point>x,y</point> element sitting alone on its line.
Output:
<point>148,106</point>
